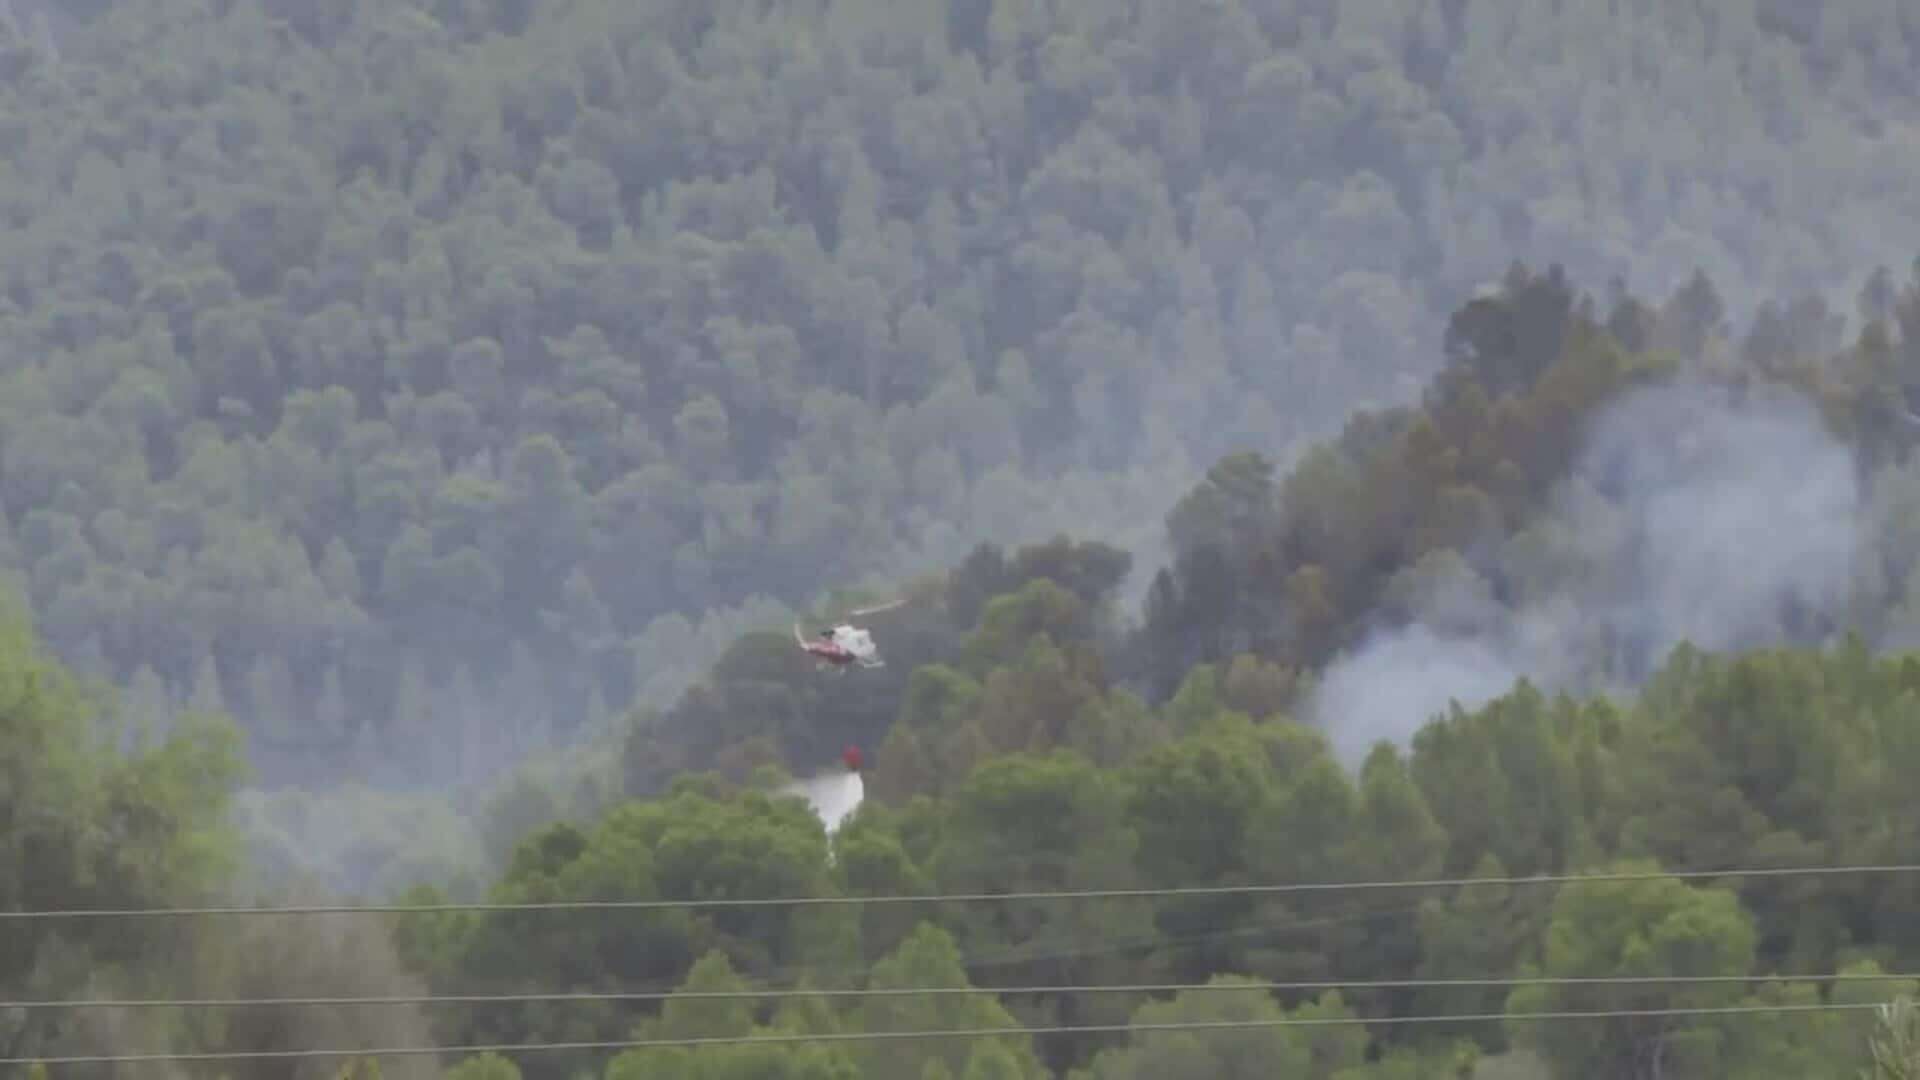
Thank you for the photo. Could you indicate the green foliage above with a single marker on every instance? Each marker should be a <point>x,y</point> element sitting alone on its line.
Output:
<point>304,957</point>
<point>1826,1045</point>
<point>1227,799</point>
<point>1896,1044</point>
<point>1296,570</point>
<point>694,1018</point>
<point>930,959</point>
<point>1234,1053</point>
<point>1637,928</point>
<point>427,384</point>
<point>630,329</point>
<point>95,816</point>
<point>376,842</point>
<point>487,1066</point>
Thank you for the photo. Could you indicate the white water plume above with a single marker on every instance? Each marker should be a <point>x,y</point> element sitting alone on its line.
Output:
<point>833,795</point>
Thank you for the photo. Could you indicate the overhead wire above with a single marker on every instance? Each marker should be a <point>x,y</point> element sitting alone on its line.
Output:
<point>790,1038</point>
<point>781,993</point>
<point>958,898</point>
<point>1009,956</point>
<point>948,898</point>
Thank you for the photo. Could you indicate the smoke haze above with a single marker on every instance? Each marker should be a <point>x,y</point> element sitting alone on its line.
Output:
<point>1693,514</point>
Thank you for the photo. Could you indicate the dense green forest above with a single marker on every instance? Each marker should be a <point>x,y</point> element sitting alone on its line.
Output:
<point>1772,758</point>
<point>425,383</point>
<point>422,420</point>
<point>1021,749</point>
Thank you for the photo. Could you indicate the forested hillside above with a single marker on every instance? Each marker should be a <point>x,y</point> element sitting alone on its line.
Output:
<point>428,382</point>
<point>1786,758</point>
<point>1314,442</point>
<point>1568,503</point>
<point>1024,747</point>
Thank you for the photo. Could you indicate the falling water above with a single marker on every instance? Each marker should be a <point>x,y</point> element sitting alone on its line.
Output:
<point>833,795</point>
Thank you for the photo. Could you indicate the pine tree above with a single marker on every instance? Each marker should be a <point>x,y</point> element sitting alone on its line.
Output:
<point>147,703</point>
<point>272,704</point>
<point>465,724</point>
<point>207,696</point>
<point>330,713</point>
<point>526,699</point>
<point>599,718</point>
<point>339,573</point>
<point>411,723</point>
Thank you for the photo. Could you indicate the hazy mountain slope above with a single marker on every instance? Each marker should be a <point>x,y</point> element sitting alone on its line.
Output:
<point>419,380</point>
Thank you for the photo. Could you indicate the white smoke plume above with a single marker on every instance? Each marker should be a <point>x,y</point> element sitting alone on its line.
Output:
<point>1692,514</point>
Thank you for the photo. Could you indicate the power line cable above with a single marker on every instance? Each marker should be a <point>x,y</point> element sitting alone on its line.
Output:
<point>957,898</point>
<point>1010,956</point>
<point>955,1033</point>
<point>1053,947</point>
<point>888,992</point>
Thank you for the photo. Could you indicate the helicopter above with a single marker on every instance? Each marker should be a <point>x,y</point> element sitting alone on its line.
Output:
<point>843,645</point>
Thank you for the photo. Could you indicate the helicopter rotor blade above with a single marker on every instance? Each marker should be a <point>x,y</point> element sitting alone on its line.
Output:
<point>876,609</point>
